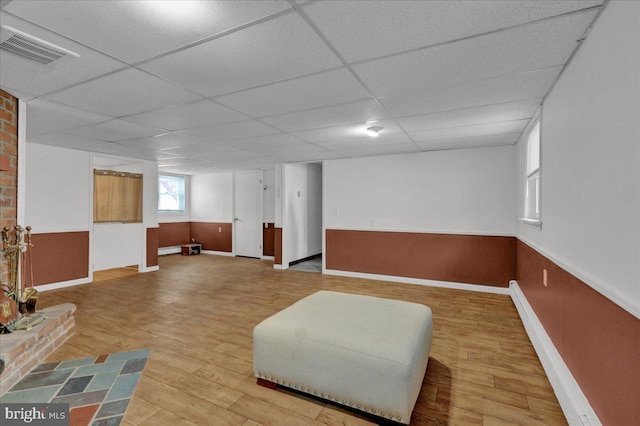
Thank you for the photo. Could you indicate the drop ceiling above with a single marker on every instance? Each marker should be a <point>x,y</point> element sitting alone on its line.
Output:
<point>236,85</point>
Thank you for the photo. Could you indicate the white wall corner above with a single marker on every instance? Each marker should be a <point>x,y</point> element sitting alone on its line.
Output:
<point>573,402</point>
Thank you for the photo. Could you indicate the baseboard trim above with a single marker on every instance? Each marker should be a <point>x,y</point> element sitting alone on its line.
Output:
<point>217,253</point>
<point>574,403</point>
<point>278,266</point>
<point>149,269</point>
<point>268,258</point>
<point>63,284</point>
<point>168,250</point>
<point>420,281</point>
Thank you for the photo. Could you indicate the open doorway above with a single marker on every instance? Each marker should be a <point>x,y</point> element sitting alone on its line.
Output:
<point>302,232</point>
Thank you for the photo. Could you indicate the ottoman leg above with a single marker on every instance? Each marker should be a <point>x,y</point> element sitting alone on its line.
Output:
<point>266,383</point>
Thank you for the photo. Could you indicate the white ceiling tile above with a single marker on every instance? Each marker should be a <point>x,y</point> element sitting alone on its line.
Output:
<point>533,84</point>
<point>379,150</point>
<point>137,30</point>
<point>63,140</point>
<point>158,155</point>
<point>348,131</point>
<point>277,151</point>
<point>530,47</point>
<point>366,142</point>
<point>115,130</point>
<point>117,149</point>
<point>318,90</point>
<point>200,150</point>
<point>355,112</point>
<point>32,77</point>
<point>469,131</point>
<point>123,93</point>
<point>309,156</point>
<point>472,142</point>
<point>367,29</point>
<point>46,116</point>
<point>463,117</point>
<point>228,131</point>
<point>164,141</point>
<point>231,156</point>
<point>275,50</point>
<point>282,139</point>
<point>181,117</point>
<point>181,161</point>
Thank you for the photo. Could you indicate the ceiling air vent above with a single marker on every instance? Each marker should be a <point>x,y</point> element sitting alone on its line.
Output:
<point>32,48</point>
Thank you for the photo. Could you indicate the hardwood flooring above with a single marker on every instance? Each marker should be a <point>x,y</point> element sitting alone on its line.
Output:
<point>197,315</point>
<point>109,274</point>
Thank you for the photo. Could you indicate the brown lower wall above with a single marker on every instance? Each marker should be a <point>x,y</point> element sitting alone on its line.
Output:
<point>268,239</point>
<point>215,236</point>
<point>59,256</point>
<point>598,340</point>
<point>152,247</point>
<point>472,259</point>
<point>277,236</point>
<point>173,234</point>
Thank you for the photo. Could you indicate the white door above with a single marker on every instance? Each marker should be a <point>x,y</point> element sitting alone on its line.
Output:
<point>248,214</point>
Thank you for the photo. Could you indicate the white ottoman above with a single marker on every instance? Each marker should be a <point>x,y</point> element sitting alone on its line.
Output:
<point>365,352</point>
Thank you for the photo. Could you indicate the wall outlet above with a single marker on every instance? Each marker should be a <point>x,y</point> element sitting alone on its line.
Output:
<point>544,278</point>
<point>219,228</point>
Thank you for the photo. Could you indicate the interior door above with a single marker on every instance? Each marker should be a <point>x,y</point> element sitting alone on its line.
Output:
<point>248,214</point>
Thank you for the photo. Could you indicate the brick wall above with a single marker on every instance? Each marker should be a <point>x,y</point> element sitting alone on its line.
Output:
<point>8,165</point>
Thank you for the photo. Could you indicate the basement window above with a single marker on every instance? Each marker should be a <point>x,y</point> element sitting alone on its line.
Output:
<point>532,185</point>
<point>171,194</point>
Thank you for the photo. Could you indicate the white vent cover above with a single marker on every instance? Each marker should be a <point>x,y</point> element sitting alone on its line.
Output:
<point>32,48</point>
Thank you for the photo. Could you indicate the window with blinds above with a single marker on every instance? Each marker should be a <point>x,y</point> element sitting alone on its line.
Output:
<point>117,196</point>
<point>532,189</point>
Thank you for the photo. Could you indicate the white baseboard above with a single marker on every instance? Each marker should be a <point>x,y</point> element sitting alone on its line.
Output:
<point>63,284</point>
<point>278,266</point>
<point>419,281</point>
<point>168,250</point>
<point>572,400</point>
<point>268,258</point>
<point>149,268</point>
<point>217,253</point>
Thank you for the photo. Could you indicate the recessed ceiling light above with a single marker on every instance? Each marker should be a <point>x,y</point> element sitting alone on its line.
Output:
<point>374,131</point>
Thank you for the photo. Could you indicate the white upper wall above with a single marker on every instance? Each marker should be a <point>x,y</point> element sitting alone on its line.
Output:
<point>269,196</point>
<point>591,161</point>
<point>58,190</point>
<point>466,191</point>
<point>212,197</point>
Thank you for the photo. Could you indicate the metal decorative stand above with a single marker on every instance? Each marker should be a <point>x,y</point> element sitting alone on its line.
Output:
<point>16,243</point>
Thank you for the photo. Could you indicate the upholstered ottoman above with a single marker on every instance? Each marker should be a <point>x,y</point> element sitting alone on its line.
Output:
<point>365,352</point>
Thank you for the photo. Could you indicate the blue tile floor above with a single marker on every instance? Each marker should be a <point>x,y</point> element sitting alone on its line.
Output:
<point>97,389</point>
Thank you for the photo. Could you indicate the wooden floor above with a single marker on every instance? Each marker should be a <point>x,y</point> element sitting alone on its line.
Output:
<point>197,314</point>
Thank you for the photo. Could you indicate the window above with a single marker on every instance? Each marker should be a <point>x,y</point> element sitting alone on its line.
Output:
<point>117,196</point>
<point>532,189</point>
<point>171,193</point>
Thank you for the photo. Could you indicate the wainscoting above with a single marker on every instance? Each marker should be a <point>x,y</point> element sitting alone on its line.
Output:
<point>59,257</point>
<point>598,341</point>
<point>472,259</point>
